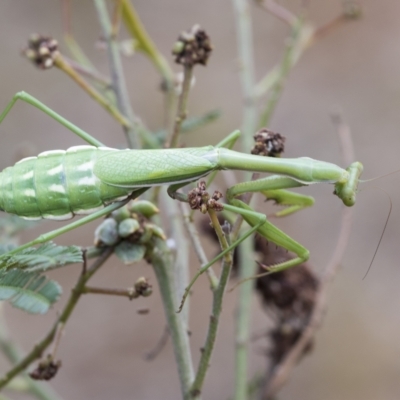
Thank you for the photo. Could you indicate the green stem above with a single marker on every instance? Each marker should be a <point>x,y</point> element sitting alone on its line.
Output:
<point>208,347</point>
<point>197,246</point>
<point>14,355</point>
<point>247,268</point>
<point>181,264</point>
<point>243,320</point>
<point>161,260</point>
<point>182,105</point>
<point>293,51</point>
<point>39,348</point>
<point>145,44</point>
<point>118,78</point>
<point>97,96</point>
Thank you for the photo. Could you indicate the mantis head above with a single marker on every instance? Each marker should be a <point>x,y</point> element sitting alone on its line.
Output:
<point>347,190</point>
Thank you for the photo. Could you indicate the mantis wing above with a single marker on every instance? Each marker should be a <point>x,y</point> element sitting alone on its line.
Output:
<point>138,168</point>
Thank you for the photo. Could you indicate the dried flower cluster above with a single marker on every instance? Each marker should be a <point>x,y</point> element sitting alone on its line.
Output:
<point>199,199</point>
<point>46,370</point>
<point>268,143</point>
<point>192,47</point>
<point>42,51</point>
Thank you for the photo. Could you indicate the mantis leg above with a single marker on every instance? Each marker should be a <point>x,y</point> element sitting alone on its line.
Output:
<point>273,188</point>
<point>76,224</point>
<point>267,229</point>
<point>294,201</point>
<point>36,103</point>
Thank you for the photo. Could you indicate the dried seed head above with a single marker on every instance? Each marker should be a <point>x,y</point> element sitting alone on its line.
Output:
<point>46,370</point>
<point>42,51</point>
<point>199,199</point>
<point>192,47</point>
<point>143,287</point>
<point>268,143</point>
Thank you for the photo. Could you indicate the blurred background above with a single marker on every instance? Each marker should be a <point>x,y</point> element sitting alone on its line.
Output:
<point>356,68</point>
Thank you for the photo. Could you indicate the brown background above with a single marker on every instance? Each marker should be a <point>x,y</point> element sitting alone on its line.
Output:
<point>357,355</point>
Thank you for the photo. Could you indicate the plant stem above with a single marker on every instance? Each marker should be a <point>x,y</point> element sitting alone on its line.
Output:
<point>145,44</point>
<point>300,37</point>
<point>181,264</point>
<point>247,268</point>
<point>208,347</point>
<point>198,248</point>
<point>61,63</point>
<point>278,11</point>
<point>182,105</point>
<point>129,293</point>
<point>160,258</point>
<point>14,355</point>
<point>39,348</point>
<point>136,128</point>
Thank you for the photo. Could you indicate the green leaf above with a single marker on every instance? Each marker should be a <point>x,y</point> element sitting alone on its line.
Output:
<point>129,253</point>
<point>28,291</point>
<point>43,258</point>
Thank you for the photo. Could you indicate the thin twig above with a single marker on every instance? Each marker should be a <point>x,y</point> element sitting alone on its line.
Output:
<point>278,11</point>
<point>147,46</point>
<point>90,73</point>
<point>197,246</point>
<point>14,354</point>
<point>182,105</point>
<point>61,63</point>
<point>296,44</point>
<point>204,363</point>
<point>136,128</point>
<point>281,373</point>
<point>129,293</point>
<point>39,348</point>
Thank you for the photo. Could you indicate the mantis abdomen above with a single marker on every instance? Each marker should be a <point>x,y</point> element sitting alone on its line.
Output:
<point>57,185</point>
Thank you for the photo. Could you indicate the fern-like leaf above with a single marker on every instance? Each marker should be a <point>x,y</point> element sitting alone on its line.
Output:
<point>43,258</point>
<point>28,291</point>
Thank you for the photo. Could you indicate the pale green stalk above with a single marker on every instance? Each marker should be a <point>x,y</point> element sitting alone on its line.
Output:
<point>197,246</point>
<point>161,259</point>
<point>218,294</point>
<point>181,264</point>
<point>300,37</point>
<point>247,267</point>
<point>137,130</point>
<point>146,45</point>
<point>182,106</point>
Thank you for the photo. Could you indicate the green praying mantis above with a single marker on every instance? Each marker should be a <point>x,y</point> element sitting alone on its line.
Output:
<point>96,180</point>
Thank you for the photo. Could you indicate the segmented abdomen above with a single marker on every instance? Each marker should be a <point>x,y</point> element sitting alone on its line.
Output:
<point>56,185</point>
